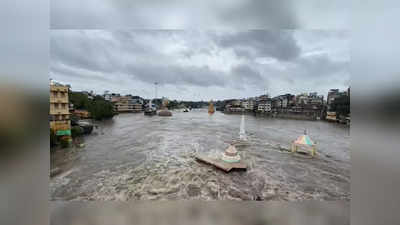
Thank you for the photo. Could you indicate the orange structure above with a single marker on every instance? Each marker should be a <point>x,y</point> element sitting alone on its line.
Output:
<point>211,108</point>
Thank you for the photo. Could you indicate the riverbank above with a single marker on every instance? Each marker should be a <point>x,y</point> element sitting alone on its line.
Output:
<point>134,157</point>
<point>288,115</point>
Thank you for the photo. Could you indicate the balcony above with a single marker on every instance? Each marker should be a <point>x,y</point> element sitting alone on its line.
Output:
<point>58,99</point>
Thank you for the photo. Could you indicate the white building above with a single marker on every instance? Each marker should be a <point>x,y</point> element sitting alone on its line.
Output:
<point>268,106</point>
<point>248,104</point>
<point>284,102</point>
<point>264,106</point>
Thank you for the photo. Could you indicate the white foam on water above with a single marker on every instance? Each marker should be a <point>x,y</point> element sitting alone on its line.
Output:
<point>242,133</point>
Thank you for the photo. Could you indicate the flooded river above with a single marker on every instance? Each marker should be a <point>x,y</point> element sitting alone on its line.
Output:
<point>136,157</point>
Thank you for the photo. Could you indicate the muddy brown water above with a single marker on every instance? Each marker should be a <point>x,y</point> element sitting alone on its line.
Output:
<point>136,157</point>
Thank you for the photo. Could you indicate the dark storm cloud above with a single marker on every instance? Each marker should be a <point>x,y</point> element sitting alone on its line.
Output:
<point>171,13</point>
<point>177,75</point>
<point>82,74</point>
<point>282,61</point>
<point>266,13</point>
<point>244,75</point>
<point>82,53</point>
<point>261,43</point>
<point>123,54</point>
<point>174,14</point>
<point>321,65</point>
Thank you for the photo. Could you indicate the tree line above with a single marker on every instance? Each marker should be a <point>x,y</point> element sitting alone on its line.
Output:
<point>98,107</point>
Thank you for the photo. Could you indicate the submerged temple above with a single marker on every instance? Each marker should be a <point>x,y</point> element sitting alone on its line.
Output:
<point>231,155</point>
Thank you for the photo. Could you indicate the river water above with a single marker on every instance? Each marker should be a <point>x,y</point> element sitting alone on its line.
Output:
<point>136,157</point>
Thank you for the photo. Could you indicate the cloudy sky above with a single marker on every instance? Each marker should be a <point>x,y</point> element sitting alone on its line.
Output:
<point>219,59</point>
<point>204,14</point>
<point>197,65</point>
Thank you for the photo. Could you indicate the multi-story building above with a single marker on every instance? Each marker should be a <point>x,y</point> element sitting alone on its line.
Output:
<point>335,93</point>
<point>319,100</point>
<point>263,97</point>
<point>107,96</point>
<point>268,105</point>
<point>248,104</point>
<point>264,105</point>
<point>137,104</point>
<point>287,100</point>
<point>302,99</point>
<point>291,101</point>
<point>284,102</point>
<point>276,102</point>
<point>245,104</point>
<point>261,106</point>
<point>332,94</point>
<point>233,105</point>
<point>313,94</point>
<point>82,114</point>
<point>59,109</point>
<point>126,104</point>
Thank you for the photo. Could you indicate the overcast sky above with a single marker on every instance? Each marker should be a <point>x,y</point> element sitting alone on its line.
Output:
<point>199,65</point>
<point>217,62</point>
<point>204,14</point>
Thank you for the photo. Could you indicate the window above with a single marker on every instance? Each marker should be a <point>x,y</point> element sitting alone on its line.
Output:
<point>56,105</point>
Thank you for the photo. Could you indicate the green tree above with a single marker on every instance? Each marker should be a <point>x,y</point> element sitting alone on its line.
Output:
<point>76,131</point>
<point>99,108</point>
<point>172,104</point>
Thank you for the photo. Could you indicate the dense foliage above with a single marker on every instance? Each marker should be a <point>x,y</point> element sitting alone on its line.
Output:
<point>53,138</point>
<point>65,142</point>
<point>80,100</point>
<point>98,107</point>
<point>76,131</point>
<point>101,109</point>
<point>173,104</point>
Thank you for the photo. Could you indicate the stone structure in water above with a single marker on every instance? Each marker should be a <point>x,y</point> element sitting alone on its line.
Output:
<point>164,110</point>
<point>231,155</point>
<point>242,133</point>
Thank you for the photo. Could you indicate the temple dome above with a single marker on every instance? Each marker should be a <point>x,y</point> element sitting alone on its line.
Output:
<point>231,155</point>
